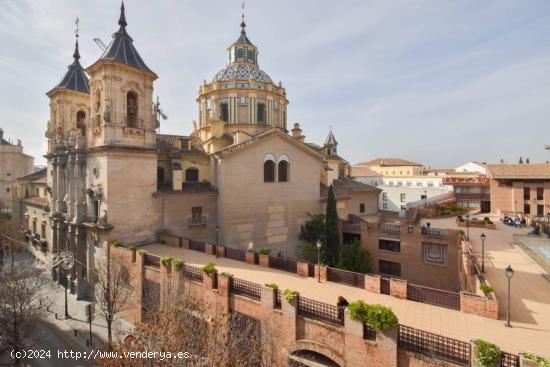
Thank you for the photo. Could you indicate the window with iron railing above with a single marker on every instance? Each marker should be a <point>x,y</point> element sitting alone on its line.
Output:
<point>387,245</point>
<point>526,193</point>
<point>389,267</point>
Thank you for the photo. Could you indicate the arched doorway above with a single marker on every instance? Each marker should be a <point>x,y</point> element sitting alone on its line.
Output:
<point>309,358</point>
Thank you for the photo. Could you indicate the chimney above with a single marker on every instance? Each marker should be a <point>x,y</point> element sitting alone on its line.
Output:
<point>297,133</point>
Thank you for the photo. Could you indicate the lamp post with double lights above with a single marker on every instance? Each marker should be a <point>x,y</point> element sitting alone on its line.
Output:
<point>483,238</point>
<point>509,274</point>
<point>319,261</point>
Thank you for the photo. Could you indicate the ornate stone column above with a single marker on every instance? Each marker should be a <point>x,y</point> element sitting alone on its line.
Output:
<point>60,183</point>
<point>80,188</point>
<point>54,185</point>
<point>70,186</point>
<point>55,244</point>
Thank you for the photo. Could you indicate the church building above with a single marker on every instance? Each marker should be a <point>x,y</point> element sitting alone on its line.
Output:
<point>240,178</point>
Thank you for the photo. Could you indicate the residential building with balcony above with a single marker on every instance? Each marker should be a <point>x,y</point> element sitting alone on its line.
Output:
<point>520,189</point>
<point>400,249</point>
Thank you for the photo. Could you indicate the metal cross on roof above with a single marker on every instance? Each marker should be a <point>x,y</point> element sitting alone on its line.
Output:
<point>77,28</point>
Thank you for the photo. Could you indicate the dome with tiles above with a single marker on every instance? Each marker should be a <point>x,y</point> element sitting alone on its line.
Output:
<point>242,72</point>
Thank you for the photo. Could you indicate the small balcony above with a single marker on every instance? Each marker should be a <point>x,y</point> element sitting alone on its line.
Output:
<point>435,232</point>
<point>198,220</point>
<point>390,230</point>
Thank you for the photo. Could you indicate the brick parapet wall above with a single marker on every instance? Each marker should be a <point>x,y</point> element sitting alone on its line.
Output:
<point>479,305</point>
<point>302,268</point>
<point>264,260</point>
<point>372,283</point>
<point>209,248</point>
<point>323,271</point>
<point>250,257</point>
<point>170,240</point>
<point>398,288</point>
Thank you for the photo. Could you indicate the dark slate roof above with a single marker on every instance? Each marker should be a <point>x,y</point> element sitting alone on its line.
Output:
<point>330,139</point>
<point>243,39</point>
<point>75,78</point>
<point>122,49</point>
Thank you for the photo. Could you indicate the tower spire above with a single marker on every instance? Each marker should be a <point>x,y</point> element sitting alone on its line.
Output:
<point>243,24</point>
<point>122,19</point>
<point>76,54</point>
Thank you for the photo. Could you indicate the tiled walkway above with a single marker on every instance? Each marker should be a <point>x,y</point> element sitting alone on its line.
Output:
<point>531,306</point>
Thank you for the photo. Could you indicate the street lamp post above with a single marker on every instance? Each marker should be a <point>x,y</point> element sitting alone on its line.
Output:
<point>468,227</point>
<point>217,237</point>
<point>548,223</point>
<point>509,275</point>
<point>67,262</point>
<point>483,237</point>
<point>319,261</point>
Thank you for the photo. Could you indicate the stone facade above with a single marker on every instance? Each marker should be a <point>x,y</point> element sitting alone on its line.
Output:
<point>13,164</point>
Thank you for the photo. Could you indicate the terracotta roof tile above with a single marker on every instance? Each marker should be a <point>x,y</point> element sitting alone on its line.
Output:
<point>520,171</point>
<point>388,162</point>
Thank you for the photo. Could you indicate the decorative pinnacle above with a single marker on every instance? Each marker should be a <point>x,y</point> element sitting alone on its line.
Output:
<point>76,54</point>
<point>122,19</point>
<point>243,24</point>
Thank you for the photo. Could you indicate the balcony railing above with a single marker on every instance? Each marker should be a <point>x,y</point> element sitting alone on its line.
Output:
<point>198,220</point>
<point>479,181</point>
<point>435,232</point>
<point>472,196</point>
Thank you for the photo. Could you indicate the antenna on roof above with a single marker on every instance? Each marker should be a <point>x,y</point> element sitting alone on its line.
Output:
<point>100,44</point>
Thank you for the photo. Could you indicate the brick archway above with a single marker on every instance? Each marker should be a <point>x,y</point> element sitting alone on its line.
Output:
<point>310,345</point>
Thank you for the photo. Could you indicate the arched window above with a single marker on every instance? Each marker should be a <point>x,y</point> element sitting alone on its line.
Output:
<point>191,175</point>
<point>261,114</point>
<point>80,118</point>
<point>283,171</point>
<point>224,112</point>
<point>132,109</point>
<point>240,53</point>
<point>251,56</point>
<point>269,168</point>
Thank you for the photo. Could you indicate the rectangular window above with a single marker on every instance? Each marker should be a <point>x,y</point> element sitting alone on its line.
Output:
<point>540,193</point>
<point>208,104</point>
<point>419,184</point>
<point>403,197</point>
<point>540,210</point>
<point>389,267</point>
<point>43,231</point>
<point>409,183</point>
<point>526,193</point>
<point>276,104</point>
<point>434,253</point>
<point>399,183</point>
<point>387,245</point>
<point>242,99</point>
<point>196,215</point>
<point>361,208</point>
<point>34,226</point>
<point>385,206</point>
<point>403,207</point>
<point>527,208</point>
<point>430,184</point>
<point>7,189</point>
<point>385,196</point>
<point>391,183</point>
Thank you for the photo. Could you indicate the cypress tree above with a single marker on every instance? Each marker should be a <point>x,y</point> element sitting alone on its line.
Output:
<point>332,238</point>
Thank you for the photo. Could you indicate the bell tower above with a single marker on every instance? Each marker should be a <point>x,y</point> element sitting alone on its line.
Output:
<point>121,157</point>
<point>122,95</point>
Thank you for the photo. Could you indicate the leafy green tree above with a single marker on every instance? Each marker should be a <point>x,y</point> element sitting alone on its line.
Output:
<point>331,246</point>
<point>309,252</point>
<point>313,229</point>
<point>355,258</point>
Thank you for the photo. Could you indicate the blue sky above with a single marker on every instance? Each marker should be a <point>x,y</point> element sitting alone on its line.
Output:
<point>438,82</point>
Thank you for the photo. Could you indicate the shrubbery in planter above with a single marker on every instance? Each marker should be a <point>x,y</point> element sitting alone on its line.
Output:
<point>272,285</point>
<point>177,264</point>
<point>166,260</point>
<point>542,362</point>
<point>131,247</point>
<point>290,295</point>
<point>488,354</point>
<point>486,288</point>
<point>209,268</point>
<point>116,243</point>
<point>264,251</point>
<point>378,317</point>
<point>141,252</point>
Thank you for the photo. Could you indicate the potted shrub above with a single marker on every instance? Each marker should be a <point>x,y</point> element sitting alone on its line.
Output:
<point>532,360</point>
<point>166,261</point>
<point>378,317</point>
<point>177,265</point>
<point>264,256</point>
<point>290,296</point>
<point>210,275</point>
<point>486,354</point>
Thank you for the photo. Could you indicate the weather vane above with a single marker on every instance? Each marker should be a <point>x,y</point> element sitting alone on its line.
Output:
<point>77,29</point>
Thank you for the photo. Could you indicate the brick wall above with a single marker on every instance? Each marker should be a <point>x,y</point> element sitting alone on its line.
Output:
<point>479,305</point>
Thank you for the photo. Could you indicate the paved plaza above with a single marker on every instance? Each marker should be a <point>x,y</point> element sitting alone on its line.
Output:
<point>530,293</point>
